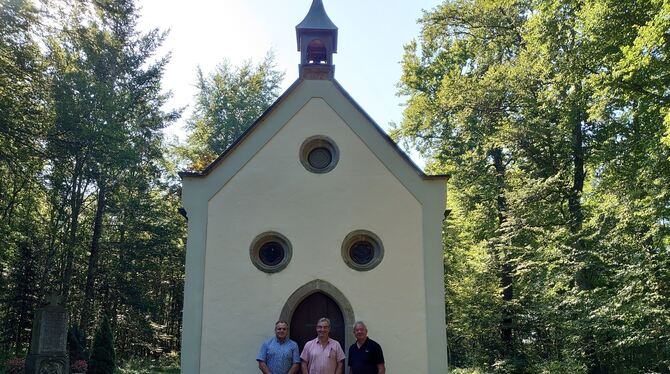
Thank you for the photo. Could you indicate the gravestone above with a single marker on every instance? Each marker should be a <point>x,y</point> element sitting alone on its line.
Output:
<point>48,348</point>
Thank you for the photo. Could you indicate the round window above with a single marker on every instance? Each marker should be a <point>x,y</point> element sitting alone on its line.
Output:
<point>319,154</point>
<point>362,250</point>
<point>270,252</point>
<point>320,158</point>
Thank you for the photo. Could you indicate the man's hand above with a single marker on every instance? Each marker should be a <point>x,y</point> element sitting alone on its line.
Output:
<point>295,369</point>
<point>264,368</point>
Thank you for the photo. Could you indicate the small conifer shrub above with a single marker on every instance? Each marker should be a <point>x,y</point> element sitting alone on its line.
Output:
<point>103,360</point>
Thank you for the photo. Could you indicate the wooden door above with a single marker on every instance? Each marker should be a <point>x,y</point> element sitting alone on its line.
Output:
<point>307,314</point>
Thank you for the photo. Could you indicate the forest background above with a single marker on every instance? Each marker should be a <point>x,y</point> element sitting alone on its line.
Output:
<point>551,116</point>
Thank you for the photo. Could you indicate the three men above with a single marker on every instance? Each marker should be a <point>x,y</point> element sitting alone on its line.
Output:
<point>365,355</point>
<point>322,355</point>
<point>279,354</point>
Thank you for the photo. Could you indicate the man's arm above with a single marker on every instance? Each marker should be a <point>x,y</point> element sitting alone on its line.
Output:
<point>381,368</point>
<point>304,367</point>
<point>295,369</point>
<point>262,356</point>
<point>340,366</point>
<point>264,368</point>
<point>295,359</point>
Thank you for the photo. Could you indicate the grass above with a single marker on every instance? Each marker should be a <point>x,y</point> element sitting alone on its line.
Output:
<point>139,366</point>
<point>168,365</point>
<point>151,370</point>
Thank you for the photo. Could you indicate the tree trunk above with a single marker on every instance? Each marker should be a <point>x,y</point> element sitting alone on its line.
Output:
<point>578,174</point>
<point>574,199</point>
<point>506,279</point>
<point>117,294</point>
<point>87,305</point>
<point>583,275</point>
<point>48,267</point>
<point>75,208</point>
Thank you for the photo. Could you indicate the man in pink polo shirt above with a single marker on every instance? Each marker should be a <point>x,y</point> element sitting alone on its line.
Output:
<point>322,355</point>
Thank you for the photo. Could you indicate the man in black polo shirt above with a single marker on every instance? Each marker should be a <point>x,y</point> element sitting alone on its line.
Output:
<point>365,356</point>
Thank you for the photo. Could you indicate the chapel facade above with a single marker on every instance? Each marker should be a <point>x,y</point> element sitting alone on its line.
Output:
<point>314,211</point>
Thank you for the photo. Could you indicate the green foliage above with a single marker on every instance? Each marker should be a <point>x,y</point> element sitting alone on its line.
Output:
<point>86,204</point>
<point>22,299</point>
<point>562,366</point>
<point>24,118</point>
<point>228,101</point>
<point>466,371</point>
<point>170,364</point>
<point>103,358</point>
<point>14,366</point>
<point>550,117</point>
<point>76,344</point>
<point>23,101</point>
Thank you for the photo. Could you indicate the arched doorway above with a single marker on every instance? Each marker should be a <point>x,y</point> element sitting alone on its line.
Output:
<point>308,312</point>
<point>312,301</point>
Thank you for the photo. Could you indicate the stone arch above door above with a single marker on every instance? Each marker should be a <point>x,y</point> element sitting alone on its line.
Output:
<point>320,285</point>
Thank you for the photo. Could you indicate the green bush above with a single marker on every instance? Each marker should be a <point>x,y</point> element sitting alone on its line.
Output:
<point>467,371</point>
<point>169,361</point>
<point>76,344</point>
<point>15,365</point>
<point>563,366</point>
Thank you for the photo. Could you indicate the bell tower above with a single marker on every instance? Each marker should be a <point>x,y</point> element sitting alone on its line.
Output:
<point>317,41</point>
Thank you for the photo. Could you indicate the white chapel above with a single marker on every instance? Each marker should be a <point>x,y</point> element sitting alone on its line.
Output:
<point>314,211</point>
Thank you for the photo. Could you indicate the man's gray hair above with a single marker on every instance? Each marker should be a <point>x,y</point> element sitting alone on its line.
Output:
<point>360,323</point>
<point>323,319</point>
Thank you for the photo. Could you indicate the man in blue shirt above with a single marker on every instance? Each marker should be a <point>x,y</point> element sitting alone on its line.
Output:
<point>279,354</point>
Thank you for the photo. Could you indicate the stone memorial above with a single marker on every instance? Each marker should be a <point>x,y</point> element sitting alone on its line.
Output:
<point>48,348</point>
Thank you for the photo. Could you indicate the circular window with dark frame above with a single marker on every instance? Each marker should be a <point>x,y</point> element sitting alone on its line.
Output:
<point>362,250</point>
<point>319,154</point>
<point>270,252</point>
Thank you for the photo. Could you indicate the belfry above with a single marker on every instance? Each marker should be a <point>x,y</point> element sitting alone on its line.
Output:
<point>317,41</point>
<point>314,211</point>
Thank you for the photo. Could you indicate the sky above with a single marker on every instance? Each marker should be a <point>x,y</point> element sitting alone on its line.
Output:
<point>202,33</point>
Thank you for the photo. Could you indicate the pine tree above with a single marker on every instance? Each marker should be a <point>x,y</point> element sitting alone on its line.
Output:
<point>103,358</point>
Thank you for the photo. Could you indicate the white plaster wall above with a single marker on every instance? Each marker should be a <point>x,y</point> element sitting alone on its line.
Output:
<point>273,192</point>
